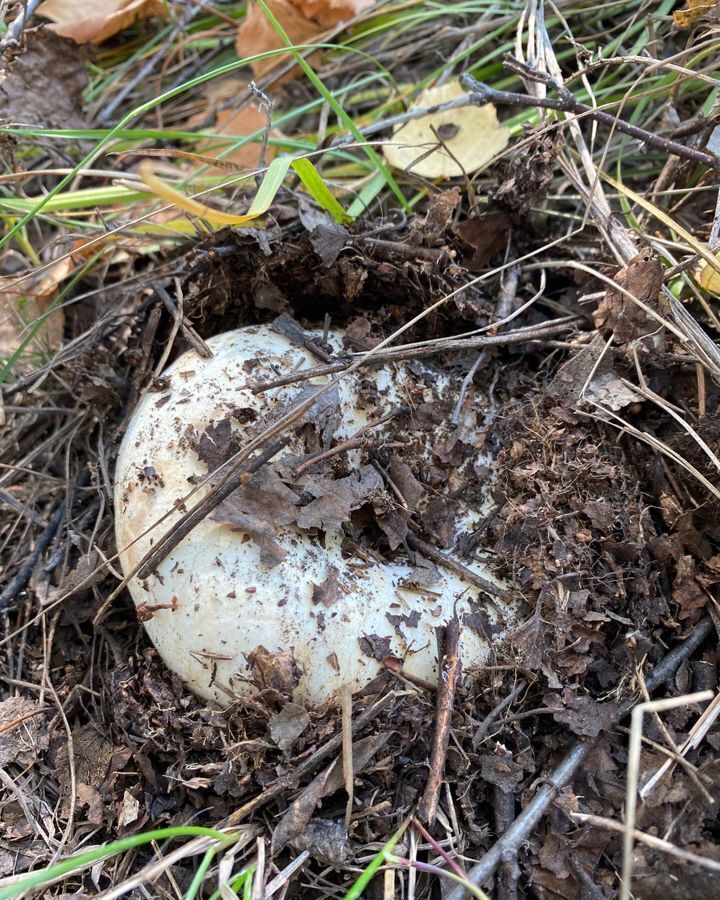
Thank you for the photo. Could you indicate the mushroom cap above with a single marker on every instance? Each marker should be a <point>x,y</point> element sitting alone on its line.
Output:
<point>471,134</point>
<point>219,614</point>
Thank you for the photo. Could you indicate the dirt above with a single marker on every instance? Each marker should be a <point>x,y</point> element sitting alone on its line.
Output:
<point>611,548</point>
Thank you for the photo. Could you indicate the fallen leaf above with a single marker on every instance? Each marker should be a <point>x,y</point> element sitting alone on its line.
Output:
<point>257,35</point>
<point>302,20</point>
<point>484,236</point>
<point>326,840</point>
<point>298,814</point>
<point>709,278</point>
<point>472,135</point>
<point>335,499</point>
<point>229,122</point>
<point>258,508</point>
<point>20,721</point>
<point>696,10</point>
<point>97,20</point>
<point>287,725</point>
<point>330,13</point>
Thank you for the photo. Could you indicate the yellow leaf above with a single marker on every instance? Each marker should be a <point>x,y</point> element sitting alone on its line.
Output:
<point>709,278</point>
<point>471,134</point>
<point>696,10</point>
<point>97,20</point>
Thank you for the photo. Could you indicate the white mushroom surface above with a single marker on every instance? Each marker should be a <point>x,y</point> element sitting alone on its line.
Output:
<point>275,604</point>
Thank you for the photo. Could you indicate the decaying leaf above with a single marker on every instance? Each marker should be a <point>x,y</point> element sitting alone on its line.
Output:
<point>29,97</point>
<point>287,725</point>
<point>303,21</point>
<point>256,34</point>
<point>330,13</point>
<point>335,499</point>
<point>709,278</point>
<point>98,20</point>
<point>219,101</point>
<point>695,12</point>
<point>471,136</point>
<point>298,814</point>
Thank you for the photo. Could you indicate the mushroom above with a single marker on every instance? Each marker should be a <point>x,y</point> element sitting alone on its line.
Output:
<point>268,591</point>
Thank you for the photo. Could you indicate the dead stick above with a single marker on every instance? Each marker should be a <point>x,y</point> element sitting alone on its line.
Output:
<point>204,507</point>
<point>517,834</point>
<point>447,681</point>
<point>192,337</point>
<point>452,345</point>
<point>568,103</point>
<point>457,568</point>
<point>308,765</point>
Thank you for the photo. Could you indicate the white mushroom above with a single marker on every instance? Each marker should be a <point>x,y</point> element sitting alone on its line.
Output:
<point>229,603</point>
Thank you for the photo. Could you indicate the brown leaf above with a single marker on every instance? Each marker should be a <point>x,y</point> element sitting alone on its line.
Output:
<point>581,713</point>
<point>98,20</point>
<point>29,95</point>
<point>258,508</point>
<point>687,591</point>
<point>257,35</point>
<point>287,725</point>
<point>328,591</point>
<point>219,99</point>
<point>642,278</point>
<point>330,13</point>
<point>19,742</point>
<point>408,485</point>
<point>484,236</point>
<point>326,783</point>
<point>335,499</point>
<point>276,672</point>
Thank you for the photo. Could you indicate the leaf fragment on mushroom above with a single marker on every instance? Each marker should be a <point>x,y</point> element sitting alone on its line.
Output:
<point>471,135</point>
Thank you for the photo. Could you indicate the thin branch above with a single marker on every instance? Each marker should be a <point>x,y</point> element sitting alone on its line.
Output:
<point>447,681</point>
<point>566,102</point>
<point>531,815</point>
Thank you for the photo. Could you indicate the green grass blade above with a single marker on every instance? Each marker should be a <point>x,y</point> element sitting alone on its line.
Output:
<point>318,190</point>
<point>364,879</point>
<point>34,880</point>
<point>334,105</point>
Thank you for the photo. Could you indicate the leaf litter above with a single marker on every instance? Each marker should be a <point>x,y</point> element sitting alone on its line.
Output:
<point>613,546</point>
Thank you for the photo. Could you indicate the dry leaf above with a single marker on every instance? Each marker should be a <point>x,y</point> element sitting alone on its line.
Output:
<point>27,303</point>
<point>29,96</point>
<point>98,20</point>
<point>330,13</point>
<point>472,135</point>
<point>216,101</point>
<point>303,21</point>
<point>709,278</point>
<point>696,10</point>
<point>256,34</point>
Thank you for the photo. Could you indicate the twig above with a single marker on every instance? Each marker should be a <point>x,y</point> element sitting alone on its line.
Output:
<point>650,840</point>
<point>192,337</point>
<point>23,576</point>
<point>484,726</point>
<point>14,32</point>
<point>503,308</point>
<point>514,837</point>
<point>447,681</point>
<point>308,765</point>
<point>450,345</point>
<point>352,443</point>
<point>203,508</point>
<point>567,103</point>
<point>457,568</point>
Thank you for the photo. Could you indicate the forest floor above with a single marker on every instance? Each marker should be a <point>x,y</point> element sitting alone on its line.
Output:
<point>171,172</point>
